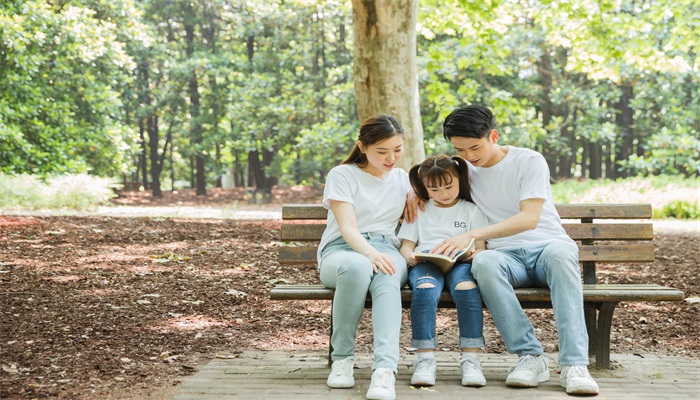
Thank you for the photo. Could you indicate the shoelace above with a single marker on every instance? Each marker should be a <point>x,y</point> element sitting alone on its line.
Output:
<point>523,362</point>
<point>383,379</point>
<point>577,371</point>
<point>468,363</point>
<point>343,367</point>
<point>423,365</point>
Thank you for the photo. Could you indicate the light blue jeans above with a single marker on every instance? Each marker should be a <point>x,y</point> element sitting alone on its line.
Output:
<point>554,265</point>
<point>352,276</point>
<point>424,301</point>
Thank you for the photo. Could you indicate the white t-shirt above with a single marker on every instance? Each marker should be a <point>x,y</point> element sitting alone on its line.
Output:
<point>437,223</point>
<point>498,190</point>
<point>378,203</point>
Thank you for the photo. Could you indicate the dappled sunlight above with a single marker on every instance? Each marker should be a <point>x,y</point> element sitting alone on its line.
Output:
<point>189,323</point>
<point>292,339</point>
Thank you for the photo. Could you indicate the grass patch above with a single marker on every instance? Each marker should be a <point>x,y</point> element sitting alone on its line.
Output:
<point>76,192</point>
<point>669,196</point>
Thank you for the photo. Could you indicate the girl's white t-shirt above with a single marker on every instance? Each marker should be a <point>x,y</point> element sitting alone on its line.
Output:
<point>378,203</point>
<point>498,190</point>
<point>438,223</point>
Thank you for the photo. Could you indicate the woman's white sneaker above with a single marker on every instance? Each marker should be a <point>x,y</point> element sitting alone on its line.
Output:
<point>382,385</point>
<point>341,375</point>
<point>576,380</point>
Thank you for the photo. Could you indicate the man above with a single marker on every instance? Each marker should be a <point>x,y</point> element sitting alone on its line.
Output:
<point>527,247</point>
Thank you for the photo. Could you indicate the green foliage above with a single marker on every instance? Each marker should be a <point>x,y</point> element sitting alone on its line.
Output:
<point>59,110</point>
<point>77,192</point>
<point>678,209</point>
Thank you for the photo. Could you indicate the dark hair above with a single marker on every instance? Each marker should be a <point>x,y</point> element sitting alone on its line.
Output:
<point>374,130</point>
<point>440,171</point>
<point>473,121</point>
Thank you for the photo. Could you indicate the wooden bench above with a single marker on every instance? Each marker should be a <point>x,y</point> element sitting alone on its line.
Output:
<point>611,241</point>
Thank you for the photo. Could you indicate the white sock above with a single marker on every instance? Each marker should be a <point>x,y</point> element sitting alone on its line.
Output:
<point>425,354</point>
<point>470,355</point>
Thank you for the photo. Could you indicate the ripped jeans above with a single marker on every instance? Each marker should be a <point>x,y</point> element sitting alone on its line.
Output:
<point>424,303</point>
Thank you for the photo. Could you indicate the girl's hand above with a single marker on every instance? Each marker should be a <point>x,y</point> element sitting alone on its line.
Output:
<point>452,245</point>
<point>381,262</point>
<point>411,260</point>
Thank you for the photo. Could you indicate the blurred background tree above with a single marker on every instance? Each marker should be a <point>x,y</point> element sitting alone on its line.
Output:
<point>207,93</point>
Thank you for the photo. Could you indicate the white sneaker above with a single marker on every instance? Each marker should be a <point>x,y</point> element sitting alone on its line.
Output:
<point>424,373</point>
<point>341,375</point>
<point>382,385</point>
<point>471,372</point>
<point>576,380</point>
<point>529,371</point>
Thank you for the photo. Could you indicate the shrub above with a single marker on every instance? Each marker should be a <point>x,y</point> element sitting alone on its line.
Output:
<point>77,192</point>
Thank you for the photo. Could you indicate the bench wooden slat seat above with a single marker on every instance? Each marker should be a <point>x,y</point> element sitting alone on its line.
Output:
<point>604,241</point>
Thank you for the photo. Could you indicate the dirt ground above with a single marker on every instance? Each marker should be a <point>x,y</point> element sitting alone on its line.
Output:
<point>127,308</point>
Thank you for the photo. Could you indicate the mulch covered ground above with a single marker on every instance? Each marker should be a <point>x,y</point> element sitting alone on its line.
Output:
<point>111,308</point>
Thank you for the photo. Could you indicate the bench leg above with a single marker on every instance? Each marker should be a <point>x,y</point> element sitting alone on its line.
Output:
<point>590,313</point>
<point>330,335</point>
<point>602,337</point>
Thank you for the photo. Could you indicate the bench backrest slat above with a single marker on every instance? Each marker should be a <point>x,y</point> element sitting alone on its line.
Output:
<point>592,231</point>
<point>566,211</point>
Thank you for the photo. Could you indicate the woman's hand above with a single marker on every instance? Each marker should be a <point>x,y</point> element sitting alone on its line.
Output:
<point>381,262</point>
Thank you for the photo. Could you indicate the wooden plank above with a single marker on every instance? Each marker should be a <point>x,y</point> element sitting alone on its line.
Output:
<point>591,293</point>
<point>604,211</point>
<point>303,211</point>
<point>302,232</point>
<point>595,231</point>
<point>610,231</point>
<point>596,253</point>
<point>566,211</point>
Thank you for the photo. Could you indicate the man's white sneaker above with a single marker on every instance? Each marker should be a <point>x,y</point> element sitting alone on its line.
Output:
<point>471,372</point>
<point>529,371</point>
<point>576,380</point>
<point>341,375</point>
<point>424,373</point>
<point>382,385</point>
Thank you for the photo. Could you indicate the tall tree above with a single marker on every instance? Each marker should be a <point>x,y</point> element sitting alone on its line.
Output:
<point>386,79</point>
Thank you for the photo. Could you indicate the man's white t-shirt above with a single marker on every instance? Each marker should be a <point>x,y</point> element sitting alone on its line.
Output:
<point>378,203</point>
<point>498,190</point>
<point>438,223</point>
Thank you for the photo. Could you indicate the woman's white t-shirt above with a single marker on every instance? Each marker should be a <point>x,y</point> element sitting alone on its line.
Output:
<point>498,190</point>
<point>438,223</point>
<point>378,203</point>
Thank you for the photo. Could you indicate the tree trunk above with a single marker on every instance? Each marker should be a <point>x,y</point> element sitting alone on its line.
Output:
<point>156,167</point>
<point>195,127</point>
<point>595,165</point>
<point>545,72</point>
<point>386,80</point>
<point>625,120</point>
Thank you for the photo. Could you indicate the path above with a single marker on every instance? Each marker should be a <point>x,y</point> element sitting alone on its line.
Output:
<point>289,375</point>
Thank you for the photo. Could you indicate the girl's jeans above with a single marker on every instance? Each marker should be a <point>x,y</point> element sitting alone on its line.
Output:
<point>352,276</point>
<point>555,266</point>
<point>424,301</point>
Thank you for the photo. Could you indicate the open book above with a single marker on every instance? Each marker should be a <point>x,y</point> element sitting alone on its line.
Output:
<point>444,262</point>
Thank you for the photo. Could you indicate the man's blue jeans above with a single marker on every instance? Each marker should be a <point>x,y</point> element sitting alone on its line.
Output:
<point>352,276</point>
<point>555,266</point>
<point>424,301</point>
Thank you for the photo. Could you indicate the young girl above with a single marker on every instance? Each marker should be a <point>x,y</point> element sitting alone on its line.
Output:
<point>359,253</point>
<point>443,184</point>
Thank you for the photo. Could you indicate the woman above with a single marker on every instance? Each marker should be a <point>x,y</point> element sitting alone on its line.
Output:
<point>359,253</point>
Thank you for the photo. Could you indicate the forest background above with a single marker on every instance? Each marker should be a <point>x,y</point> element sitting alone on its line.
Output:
<point>175,94</point>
